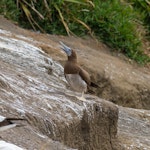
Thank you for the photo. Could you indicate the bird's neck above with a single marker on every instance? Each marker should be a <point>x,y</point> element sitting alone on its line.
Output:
<point>73,57</point>
<point>74,60</point>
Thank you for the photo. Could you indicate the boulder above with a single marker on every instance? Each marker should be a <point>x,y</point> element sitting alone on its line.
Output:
<point>32,86</point>
<point>134,128</point>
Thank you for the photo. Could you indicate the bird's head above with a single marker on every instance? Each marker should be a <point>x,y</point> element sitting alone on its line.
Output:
<point>70,52</point>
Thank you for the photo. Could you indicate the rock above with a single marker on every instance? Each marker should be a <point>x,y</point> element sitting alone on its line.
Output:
<point>32,86</point>
<point>134,128</point>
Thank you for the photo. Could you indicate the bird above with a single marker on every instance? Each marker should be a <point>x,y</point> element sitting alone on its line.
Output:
<point>76,76</point>
<point>8,123</point>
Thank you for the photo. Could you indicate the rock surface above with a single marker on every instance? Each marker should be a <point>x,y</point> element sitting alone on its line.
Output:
<point>32,86</point>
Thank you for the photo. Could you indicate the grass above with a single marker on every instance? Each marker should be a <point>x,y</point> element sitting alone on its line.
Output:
<point>142,7</point>
<point>9,9</point>
<point>111,21</point>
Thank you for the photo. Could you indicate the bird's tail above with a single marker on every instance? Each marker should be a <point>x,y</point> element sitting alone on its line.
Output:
<point>94,85</point>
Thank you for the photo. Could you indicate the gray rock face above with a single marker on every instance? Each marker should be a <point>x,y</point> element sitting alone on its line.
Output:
<point>32,86</point>
<point>134,128</point>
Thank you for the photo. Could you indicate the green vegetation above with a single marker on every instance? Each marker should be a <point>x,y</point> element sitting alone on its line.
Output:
<point>9,9</point>
<point>143,9</point>
<point>111,21</point>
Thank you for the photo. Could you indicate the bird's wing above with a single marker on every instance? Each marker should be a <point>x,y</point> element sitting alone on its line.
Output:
<point>71,68</point>
<point>85,76</point>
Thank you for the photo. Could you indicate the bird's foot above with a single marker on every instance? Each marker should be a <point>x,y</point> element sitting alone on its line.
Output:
<point>81,98</point>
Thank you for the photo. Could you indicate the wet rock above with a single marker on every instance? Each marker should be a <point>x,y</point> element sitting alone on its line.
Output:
<point>32,86</point>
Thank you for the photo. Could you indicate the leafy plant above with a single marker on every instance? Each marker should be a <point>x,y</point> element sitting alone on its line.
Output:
<point>112,21</point>
<point>9,9</point>
<point>143,8</point>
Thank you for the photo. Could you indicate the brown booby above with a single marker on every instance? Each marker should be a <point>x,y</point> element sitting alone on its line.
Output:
<point>8,123</point>
<point>76,76</point>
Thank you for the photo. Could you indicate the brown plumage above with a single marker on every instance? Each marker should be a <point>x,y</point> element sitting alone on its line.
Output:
<point>72,67</point>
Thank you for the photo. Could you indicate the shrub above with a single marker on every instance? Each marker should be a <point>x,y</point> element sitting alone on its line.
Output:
<point>8,8</point>
<point>143,9</point>
<point>112,21</point>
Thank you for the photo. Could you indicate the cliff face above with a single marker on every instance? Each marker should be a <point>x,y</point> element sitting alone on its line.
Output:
<point>32,86</point>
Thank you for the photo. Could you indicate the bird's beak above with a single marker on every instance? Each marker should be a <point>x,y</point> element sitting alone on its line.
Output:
<point>65,48</point>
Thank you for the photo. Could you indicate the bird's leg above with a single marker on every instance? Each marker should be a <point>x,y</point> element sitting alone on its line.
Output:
<point>82,98</point>
<point>82,94</point>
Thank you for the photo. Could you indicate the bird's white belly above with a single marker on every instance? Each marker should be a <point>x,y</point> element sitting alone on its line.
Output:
<point>76,82</point>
